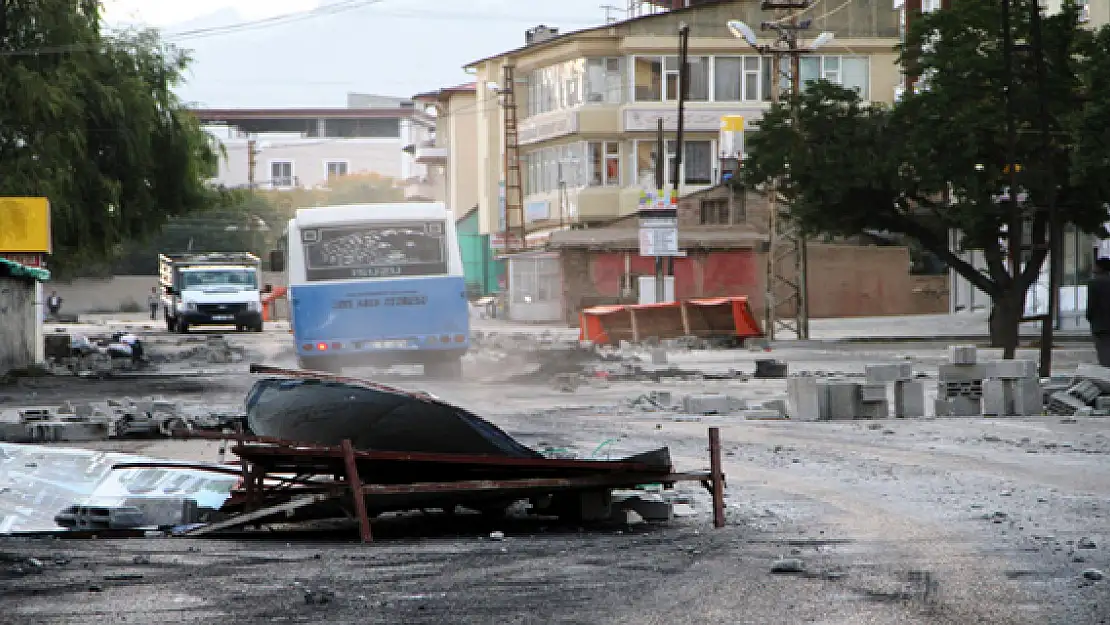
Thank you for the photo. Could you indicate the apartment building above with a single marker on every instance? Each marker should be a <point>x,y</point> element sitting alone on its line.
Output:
<point>450,154</point>
<point>305,147</point>
<point>588,102</point>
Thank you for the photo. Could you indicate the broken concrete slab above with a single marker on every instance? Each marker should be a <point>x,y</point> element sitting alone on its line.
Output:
<point>706,404</point>
<point>887,373</point>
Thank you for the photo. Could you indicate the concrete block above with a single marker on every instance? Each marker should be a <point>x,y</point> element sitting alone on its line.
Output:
<point>1098,375</point>
<point>887,373</point>
<point>706,404</point>
<point>131,513</point>
<point>649,510</point>
<point>1085,390</point>
<point>870,393</point>
<point>759,414</point>
<point>998,398</point>
<point>1011,369</point>
<point>874,410</point>
<point>658,356</point>
<point>777,405</point>
<point>909,399</point>
<point>1064,404</point>
<point>962,406</point>
<point>963,354</point>
<point>1102,403</point>
<point>941,407</point>
<point>803,401</point>
<point>962,373</point>
<point>844,400</point>
<point>1028,397</point>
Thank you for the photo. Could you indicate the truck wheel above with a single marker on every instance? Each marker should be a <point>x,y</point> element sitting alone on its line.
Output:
<point>182,327</point>
<point>259,327</point>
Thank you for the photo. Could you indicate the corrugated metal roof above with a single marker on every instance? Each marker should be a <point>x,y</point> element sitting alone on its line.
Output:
<point>16,270</point>
<point>629,238</point>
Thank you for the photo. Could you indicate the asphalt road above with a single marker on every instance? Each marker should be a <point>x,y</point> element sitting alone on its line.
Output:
<point>897,521</point>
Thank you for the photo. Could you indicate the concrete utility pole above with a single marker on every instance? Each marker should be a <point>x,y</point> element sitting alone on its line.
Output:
<point>787,304</point>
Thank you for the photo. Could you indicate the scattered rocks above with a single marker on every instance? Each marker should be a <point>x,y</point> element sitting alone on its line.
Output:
<point>788,565</point>
<point>1086,543</point>
<point>1093,574</point>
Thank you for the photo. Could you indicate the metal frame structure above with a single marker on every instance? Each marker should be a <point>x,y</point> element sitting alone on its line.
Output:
<point>286,478</point>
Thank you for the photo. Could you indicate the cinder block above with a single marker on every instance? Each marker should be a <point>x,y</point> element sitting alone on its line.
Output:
<point>658,356</point>
<point>962,373</point>
<point>1011,369</point>
<point>962,406</point>
<point>909,399</point>
<point>1102,403</point>
<point>887,373</point>
<point>1028,397</point>
<point>874,410</point>
<point>1064,404</point>
<point>998,398</point>
<point>844,400</point>
<point>649,510</point>
<point>777,405</point>
<point>706,404</point>
<point>941,407</point>
<point>871,393</point>
<point>1085,390</point>
<point>1099,376</point>
<point>963,354</point>
<point>802,398</point>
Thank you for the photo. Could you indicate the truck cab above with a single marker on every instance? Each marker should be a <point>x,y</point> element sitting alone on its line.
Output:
<point>211,289</point>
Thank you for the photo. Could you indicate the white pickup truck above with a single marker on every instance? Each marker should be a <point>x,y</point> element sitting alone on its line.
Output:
<point>214,288</point>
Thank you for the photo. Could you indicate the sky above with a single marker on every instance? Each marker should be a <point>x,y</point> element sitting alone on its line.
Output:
<point>300,55</point>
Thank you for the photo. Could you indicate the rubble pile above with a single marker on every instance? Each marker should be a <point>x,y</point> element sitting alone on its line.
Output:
<point>1000,388</point>
<point>1085,394</point>
<point>113,419</point>
<point>212,349</point>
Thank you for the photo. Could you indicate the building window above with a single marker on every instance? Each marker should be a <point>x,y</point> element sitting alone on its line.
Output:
<point>656,79</point>
<point>336,169</point>
<point>603,80</point>
<point>281,174</point>
<point>605,163</point>
<point>714,212</point>
<point>647,77</point>
<point>851,72</point>
<point>928,6</point>
<point>737,78</point>
<point>697,163</point>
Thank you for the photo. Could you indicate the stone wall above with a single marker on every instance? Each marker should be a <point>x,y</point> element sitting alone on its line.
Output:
<point>87,295</point>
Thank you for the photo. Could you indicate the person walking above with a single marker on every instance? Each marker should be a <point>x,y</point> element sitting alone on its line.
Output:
<point>153,301</point>
<point>54,303</point>
<point>1098,309</point>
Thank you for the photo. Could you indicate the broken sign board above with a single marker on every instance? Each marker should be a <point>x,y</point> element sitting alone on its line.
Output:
<point>36,483</point>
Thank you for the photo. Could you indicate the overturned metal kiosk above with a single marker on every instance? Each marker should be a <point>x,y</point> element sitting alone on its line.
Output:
<point>326,446</point>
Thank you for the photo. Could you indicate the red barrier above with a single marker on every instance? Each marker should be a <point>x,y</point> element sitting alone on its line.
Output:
<point>268,301</point>
<point>717,316</point>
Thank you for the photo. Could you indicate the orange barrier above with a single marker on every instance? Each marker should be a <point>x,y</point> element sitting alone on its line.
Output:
<point>718,316</point>
<point>268,301</point>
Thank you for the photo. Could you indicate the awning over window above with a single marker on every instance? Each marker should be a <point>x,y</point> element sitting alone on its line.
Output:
<point>12,269</point>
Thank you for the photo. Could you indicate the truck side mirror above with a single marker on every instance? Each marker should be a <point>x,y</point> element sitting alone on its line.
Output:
<point>277,260</point>
<point>269,288</point>
<point>169,290</point>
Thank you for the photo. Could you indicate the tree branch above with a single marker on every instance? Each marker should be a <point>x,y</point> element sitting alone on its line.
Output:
<point>931,241</point>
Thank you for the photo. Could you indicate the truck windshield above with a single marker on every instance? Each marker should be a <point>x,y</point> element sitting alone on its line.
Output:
<point>240,279</point>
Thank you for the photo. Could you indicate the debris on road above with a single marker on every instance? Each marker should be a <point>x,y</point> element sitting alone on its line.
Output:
<point>113,419</point>
<point>788,565</point>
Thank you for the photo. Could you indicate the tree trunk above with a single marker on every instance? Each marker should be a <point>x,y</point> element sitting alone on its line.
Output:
<point>1006,312</point>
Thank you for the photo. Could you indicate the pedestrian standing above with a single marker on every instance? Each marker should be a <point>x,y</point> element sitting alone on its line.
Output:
<point>1098,309</point>
<point>153,301</point>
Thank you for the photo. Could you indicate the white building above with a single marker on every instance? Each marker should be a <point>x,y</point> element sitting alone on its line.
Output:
<point>305,147</point>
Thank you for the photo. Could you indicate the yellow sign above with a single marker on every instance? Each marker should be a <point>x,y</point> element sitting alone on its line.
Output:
<point>732,123</point>
<point>24,224</point>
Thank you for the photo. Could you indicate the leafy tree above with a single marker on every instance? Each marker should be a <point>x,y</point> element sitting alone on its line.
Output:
<point>937,161</point>
<point>90,122</point>
<point>244,221</point>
